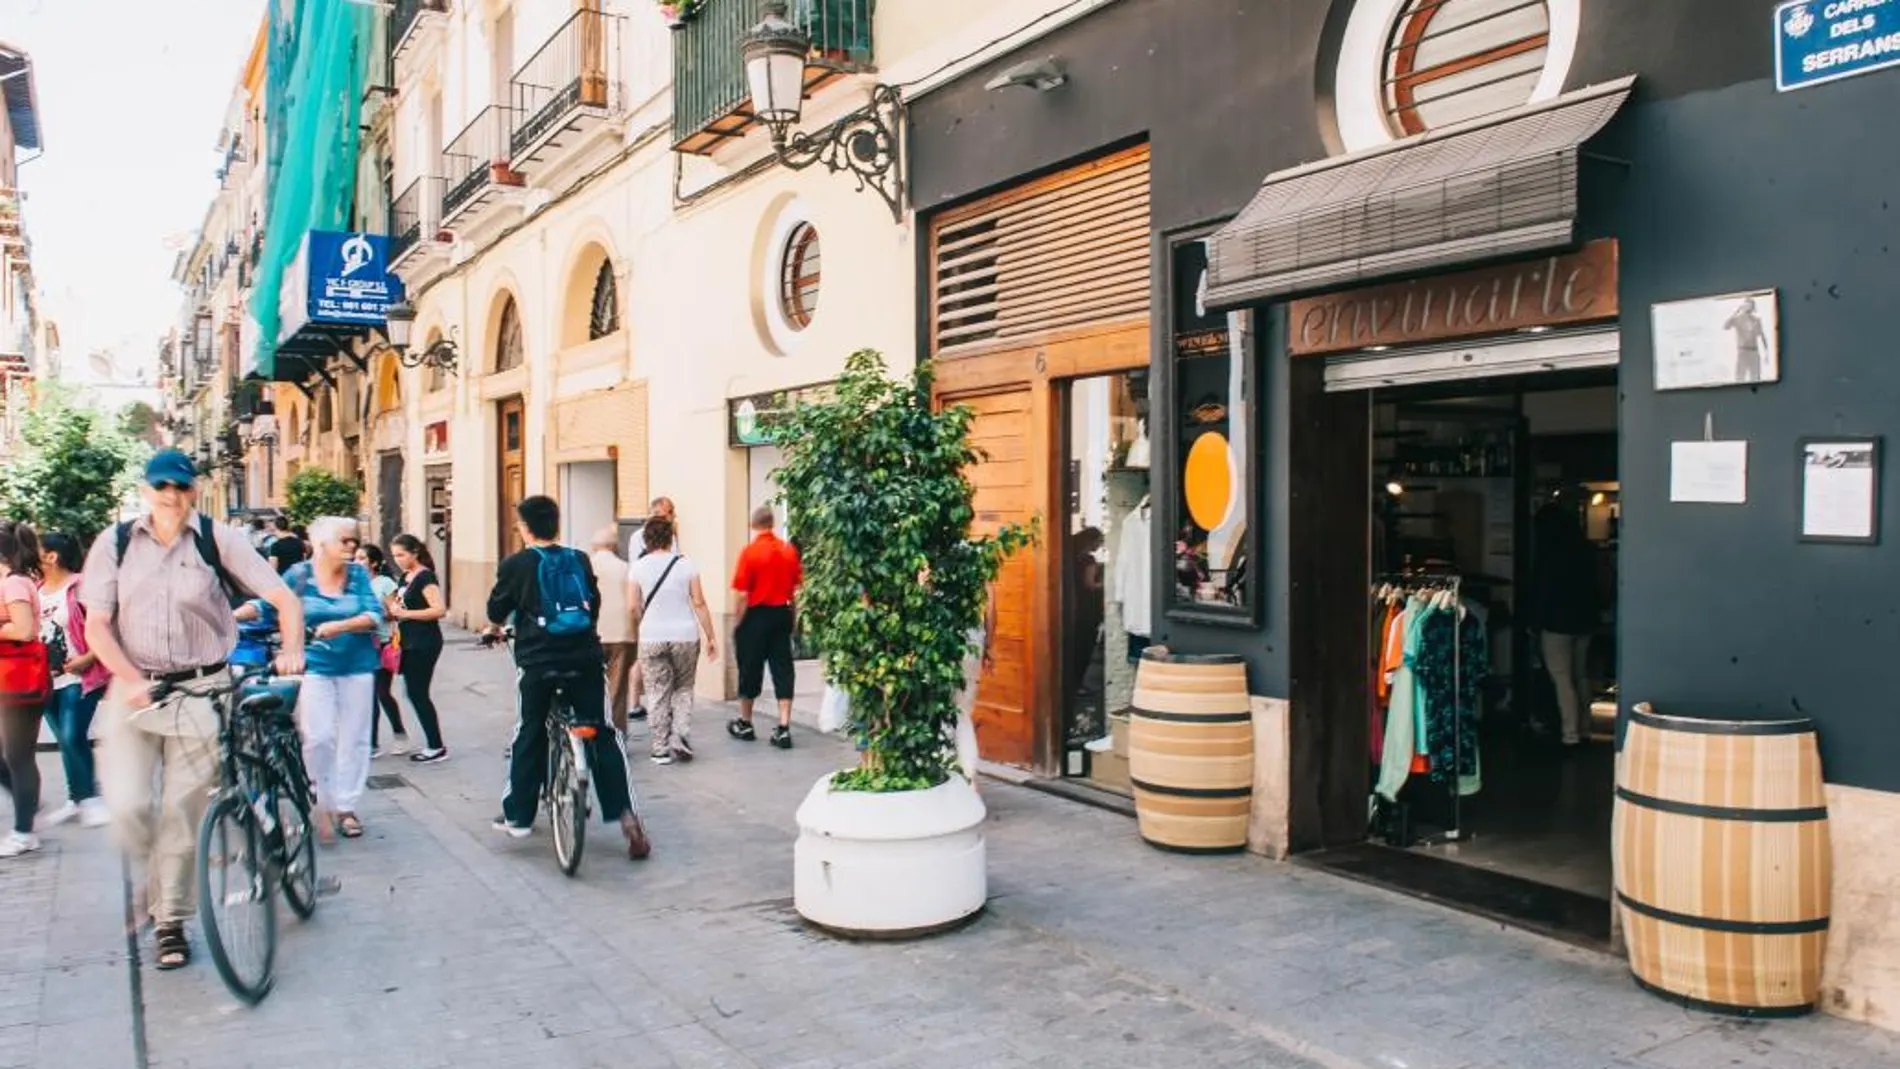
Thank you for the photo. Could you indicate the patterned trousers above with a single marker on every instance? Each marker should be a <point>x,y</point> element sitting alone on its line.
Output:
<point>668,671</point>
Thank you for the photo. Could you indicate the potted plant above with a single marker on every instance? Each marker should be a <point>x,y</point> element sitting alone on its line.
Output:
<point>895,583</point>
<point>677,12</point>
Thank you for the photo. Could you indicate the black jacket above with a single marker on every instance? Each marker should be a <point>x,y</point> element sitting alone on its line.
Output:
<point>517,594</point>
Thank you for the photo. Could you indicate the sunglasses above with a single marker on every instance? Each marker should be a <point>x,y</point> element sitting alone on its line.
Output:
<point>168,485</point>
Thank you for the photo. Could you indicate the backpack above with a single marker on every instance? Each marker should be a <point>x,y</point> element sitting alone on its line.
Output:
<point>565,608</point>
<point>207,548</point>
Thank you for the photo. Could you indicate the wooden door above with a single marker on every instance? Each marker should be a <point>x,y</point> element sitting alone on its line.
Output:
<point>511,470</point>
<point>1005,716</point>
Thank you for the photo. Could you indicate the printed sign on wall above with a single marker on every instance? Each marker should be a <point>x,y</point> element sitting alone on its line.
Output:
<point>1820,41</point>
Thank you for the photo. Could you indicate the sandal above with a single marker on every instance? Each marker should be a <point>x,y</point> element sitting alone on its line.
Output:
<point>349,826</point>
<point>174,951</point>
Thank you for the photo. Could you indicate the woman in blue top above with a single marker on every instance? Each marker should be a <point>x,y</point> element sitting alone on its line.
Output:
<point>337,704</point>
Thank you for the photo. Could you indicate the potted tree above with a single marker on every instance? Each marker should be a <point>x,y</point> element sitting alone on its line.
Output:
<point>895,584</point>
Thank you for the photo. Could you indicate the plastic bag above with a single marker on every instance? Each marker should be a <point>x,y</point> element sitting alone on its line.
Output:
<point>832,710</point>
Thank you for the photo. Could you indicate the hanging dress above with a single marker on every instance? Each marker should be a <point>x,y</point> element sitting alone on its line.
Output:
<point>1401,719</point>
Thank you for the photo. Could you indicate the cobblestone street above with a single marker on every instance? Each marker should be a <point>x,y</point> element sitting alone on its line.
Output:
<point>451,946</point>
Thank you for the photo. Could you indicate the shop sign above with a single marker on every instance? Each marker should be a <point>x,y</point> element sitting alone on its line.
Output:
<point>1818,41</point>
<point>338,279</point>
<point>1198,330</point>
<point>1529,296</point>
<point>752,420</point>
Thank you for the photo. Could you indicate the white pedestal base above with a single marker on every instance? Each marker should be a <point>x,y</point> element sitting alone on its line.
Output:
<point>890,865</point>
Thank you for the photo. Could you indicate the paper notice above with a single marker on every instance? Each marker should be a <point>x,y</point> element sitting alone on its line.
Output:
<point>1712,473</point>
<point>1837,494</point>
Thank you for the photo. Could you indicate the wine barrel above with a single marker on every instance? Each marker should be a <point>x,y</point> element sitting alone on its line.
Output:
<point>1723,868</point>
<point>1190,752</point>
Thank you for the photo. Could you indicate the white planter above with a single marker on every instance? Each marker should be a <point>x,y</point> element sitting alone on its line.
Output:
<point>890,865</point>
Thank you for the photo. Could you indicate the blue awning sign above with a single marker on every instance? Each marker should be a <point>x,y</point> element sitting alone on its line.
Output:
<point>1819,41</point>
<point>339,280</point>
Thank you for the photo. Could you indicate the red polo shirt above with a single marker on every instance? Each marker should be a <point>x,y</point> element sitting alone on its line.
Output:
<point>768,571</point>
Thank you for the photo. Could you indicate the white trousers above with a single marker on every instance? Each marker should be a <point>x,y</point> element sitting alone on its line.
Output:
<point>335,713</point>
<point>1567,658</point>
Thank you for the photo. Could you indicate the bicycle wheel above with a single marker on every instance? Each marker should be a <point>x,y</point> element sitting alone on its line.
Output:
<point>567,802</point>
<point>237,901</point>
<point>298,845</point>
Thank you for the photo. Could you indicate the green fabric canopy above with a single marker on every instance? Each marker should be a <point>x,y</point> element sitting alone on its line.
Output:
<point>318,67</point>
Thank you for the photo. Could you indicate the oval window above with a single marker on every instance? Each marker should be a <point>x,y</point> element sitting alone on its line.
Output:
<point>799,276</point>
<point>1447,61</point>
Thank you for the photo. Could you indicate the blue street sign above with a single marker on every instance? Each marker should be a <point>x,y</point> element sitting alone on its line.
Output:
<point>349,278</point>
<point>1820,41</point>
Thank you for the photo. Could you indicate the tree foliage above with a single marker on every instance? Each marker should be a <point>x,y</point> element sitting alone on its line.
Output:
<point>139,421</point>
<point>314,492</point>
<point>895,581</point>
<point>73,468</point>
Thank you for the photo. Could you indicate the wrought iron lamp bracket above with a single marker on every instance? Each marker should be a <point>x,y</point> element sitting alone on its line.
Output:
<point>864,144</point>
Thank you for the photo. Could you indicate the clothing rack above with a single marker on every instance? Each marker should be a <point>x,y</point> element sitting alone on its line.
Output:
<point>1407,582</point>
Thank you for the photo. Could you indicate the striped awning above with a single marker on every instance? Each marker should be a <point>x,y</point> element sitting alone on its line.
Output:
<point>1497,186</point>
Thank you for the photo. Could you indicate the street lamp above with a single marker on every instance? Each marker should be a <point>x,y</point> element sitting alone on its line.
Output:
<point>863,143</point>
<point>401,323</point>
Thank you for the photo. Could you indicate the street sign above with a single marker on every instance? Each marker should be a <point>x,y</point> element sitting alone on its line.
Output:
<point>1819,41</point>
<point>338,279</point>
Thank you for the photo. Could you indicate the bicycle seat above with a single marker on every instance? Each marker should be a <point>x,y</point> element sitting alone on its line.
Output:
<point>261,697</point>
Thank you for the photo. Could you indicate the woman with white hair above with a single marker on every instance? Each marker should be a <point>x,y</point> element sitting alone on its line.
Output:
<point>337,705</point>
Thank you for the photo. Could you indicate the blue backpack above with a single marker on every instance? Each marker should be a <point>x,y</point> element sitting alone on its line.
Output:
<point>565,609</point>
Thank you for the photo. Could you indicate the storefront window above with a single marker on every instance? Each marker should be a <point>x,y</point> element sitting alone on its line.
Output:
<point>1211,528</point>
<point>1106,555</point>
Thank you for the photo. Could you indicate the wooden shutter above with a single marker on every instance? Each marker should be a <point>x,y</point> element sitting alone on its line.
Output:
<point>1063,251</point>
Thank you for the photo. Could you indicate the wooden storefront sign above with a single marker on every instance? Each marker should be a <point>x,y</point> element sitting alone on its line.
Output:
<point>1552,291</point>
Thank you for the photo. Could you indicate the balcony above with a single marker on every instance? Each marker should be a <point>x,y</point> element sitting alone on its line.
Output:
<point>415,220</point>
<point>475,167</point>
<point>567,88</point>
<point>711,101</point>
<point>409,20</point>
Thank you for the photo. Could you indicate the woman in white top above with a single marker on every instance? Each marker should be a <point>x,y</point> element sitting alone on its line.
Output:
<point>670,617</point>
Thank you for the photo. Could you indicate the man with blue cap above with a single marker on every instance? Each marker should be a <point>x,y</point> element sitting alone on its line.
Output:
<point>158,592</point>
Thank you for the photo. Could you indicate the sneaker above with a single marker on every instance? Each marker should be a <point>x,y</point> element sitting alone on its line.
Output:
<point>429,757</point>
<point>16,844</point>
<point>782,737</point>
<point>639,713</point>
<point>375,752</point>
<point>401,745</point>
<point>94,814</point>
<point>662,758</point>
<point>513,831</point>
<point>741,730</point>
<point>683,749</point>
<point>58,816</point>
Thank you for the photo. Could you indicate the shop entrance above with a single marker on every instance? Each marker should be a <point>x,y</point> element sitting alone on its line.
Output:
<point>1483,671</point>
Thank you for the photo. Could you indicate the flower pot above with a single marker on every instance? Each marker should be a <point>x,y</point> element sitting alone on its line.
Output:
<point>890,866</point>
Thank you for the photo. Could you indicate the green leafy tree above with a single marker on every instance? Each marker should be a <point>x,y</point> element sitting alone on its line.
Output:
<point>895,581</point>
<point>314,492</point>
<point>139,421</point>
<point>73,470</point>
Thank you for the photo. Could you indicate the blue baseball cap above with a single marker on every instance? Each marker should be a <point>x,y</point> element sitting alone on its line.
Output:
<point>170,466</point>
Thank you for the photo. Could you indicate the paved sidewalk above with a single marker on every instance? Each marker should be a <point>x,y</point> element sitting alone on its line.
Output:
<point>452,946</point>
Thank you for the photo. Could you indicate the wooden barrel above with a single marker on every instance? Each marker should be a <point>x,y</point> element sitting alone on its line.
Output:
<point>1190,752</point>
<point>1723,869</point>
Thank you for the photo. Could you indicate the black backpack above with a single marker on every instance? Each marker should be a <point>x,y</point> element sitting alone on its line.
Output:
<point>207,548</point>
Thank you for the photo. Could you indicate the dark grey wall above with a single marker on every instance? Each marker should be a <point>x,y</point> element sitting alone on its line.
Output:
<point>1723,611</point>
<point>1731,186</point>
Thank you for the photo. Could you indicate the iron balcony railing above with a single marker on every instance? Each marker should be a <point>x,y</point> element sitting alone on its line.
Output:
<point>477,158</point>
<point>577,68</point>
<point>709,80</point>
<point>414,214</point>
<point>403,18</point>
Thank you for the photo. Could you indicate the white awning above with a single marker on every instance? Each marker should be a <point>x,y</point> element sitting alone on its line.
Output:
<point>1497,186</point>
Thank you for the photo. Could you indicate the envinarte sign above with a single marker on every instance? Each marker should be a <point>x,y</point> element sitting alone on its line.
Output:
<point>1566,290</point>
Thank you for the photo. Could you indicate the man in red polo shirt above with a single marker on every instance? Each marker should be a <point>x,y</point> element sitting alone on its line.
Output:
<point>766,578</point>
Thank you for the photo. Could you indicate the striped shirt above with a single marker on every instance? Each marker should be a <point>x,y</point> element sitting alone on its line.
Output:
<point>170,612</point>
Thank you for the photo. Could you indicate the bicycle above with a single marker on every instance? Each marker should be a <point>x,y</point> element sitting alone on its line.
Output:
<point>257,827</point>
<point>568,776</point>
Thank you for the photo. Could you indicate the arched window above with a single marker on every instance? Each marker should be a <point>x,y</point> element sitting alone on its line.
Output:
<point>509,345</point>
<point>388,385</point>
<point>799,277</point>
<point>1451,60</point>
<point>435,377</point>
<point>604,318</point>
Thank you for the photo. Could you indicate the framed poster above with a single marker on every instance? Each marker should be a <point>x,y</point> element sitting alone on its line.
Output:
<point>1840,490</point>
<point>1211,442</point>
<point>1730,340</point>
